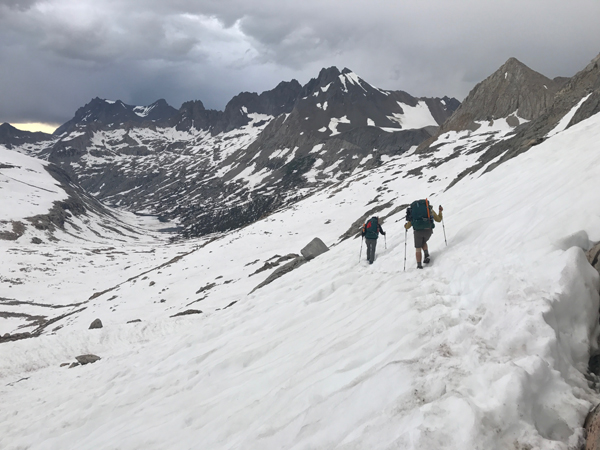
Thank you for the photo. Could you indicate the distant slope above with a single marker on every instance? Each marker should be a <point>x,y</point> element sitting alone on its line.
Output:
<point>41,204</point>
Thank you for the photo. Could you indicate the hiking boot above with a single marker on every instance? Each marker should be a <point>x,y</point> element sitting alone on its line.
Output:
<point>419,266</point>
<point>426,260</point>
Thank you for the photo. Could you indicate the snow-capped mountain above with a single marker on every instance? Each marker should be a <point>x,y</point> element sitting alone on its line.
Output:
<point>110,114</point>
<point>214,170</point>
<point>488,347</point>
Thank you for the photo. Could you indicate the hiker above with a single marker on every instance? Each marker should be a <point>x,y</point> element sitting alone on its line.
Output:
<point>370,231</point>
<point>420,215</point>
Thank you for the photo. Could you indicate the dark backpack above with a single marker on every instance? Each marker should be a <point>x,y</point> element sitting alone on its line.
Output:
<point>371,228</point>
<point>419,215</point>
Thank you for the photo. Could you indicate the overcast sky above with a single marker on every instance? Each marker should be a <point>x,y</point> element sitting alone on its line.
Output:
<point>56,55</point>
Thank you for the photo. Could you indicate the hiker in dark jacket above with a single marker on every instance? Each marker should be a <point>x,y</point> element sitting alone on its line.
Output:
<point>370,231</point>
<point>423,229</point>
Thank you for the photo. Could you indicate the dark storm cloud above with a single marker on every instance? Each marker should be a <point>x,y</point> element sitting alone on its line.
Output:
<point>55,55</point>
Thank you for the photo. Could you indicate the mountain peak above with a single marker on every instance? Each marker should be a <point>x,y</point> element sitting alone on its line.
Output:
<point>513,89</point>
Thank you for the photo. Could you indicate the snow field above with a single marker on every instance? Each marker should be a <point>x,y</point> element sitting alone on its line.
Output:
<point>487,348</point>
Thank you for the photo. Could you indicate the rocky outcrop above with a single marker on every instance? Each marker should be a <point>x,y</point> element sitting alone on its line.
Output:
<point>87,359</point>
<point>187,312</point>
<point>593,256</point>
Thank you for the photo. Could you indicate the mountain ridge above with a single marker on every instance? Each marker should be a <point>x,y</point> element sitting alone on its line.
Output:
<point>291,140</point>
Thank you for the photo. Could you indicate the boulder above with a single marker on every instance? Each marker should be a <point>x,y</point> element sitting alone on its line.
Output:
<point>314,248</point>
<point>96,324</point>
<point>87,359</point>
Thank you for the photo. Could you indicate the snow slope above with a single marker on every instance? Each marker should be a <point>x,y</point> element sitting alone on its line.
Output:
<point>487,348</point>
<point>26,188</point>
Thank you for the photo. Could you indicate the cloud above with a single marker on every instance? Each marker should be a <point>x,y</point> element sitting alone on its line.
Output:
<point>58,54</point>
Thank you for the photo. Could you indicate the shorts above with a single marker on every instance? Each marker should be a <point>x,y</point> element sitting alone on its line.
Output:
<point>422,236</point>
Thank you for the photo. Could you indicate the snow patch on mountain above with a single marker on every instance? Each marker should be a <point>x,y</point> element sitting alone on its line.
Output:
<point>414,117</point>
<point>334,122</point>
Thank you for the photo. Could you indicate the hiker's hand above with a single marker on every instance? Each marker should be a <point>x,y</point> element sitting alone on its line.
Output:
<point>441,209</point>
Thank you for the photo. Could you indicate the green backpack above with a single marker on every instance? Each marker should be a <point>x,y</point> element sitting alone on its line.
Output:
<point>371,229</point>
<point>420,216</point>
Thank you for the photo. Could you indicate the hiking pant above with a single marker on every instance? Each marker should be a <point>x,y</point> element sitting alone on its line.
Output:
<point>422,236</point>
<point>371,244</point>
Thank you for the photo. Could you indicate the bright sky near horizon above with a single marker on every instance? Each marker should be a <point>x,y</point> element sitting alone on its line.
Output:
<point>63,53</point>
<point>36,126</point>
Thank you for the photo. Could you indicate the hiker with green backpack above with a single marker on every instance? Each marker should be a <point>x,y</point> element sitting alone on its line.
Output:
<point>371,231</point>
<point>421,216</point>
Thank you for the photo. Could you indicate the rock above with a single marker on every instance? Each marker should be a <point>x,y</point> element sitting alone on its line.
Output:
<point>593,256</point>
<point>87,359</point>
<point>36,240</point>
<point>187,312</point>
<point>96,324</point>
<point>64,364</point>
<point>315,248</point>
<point>152,283</point>
<point>73,365</point>
<point>134,321</point>
<point>592,428</point>
<point>280,271</point>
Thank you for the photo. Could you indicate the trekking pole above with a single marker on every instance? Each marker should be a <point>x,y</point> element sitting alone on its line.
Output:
<point>361,243</point>
<point>444,227</point>
<point>385,239</point>
<point>405,237</point>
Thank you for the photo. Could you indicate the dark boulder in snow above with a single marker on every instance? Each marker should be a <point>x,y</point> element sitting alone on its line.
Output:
<point>87,359</point>
<point>96,324</point>
<point>314,248</point>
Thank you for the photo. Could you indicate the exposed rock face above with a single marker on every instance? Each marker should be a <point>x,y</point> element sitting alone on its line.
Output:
<point>592,428</point>
<point>514,89</point>
<point>96,324</point>
<point>593,256</point>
